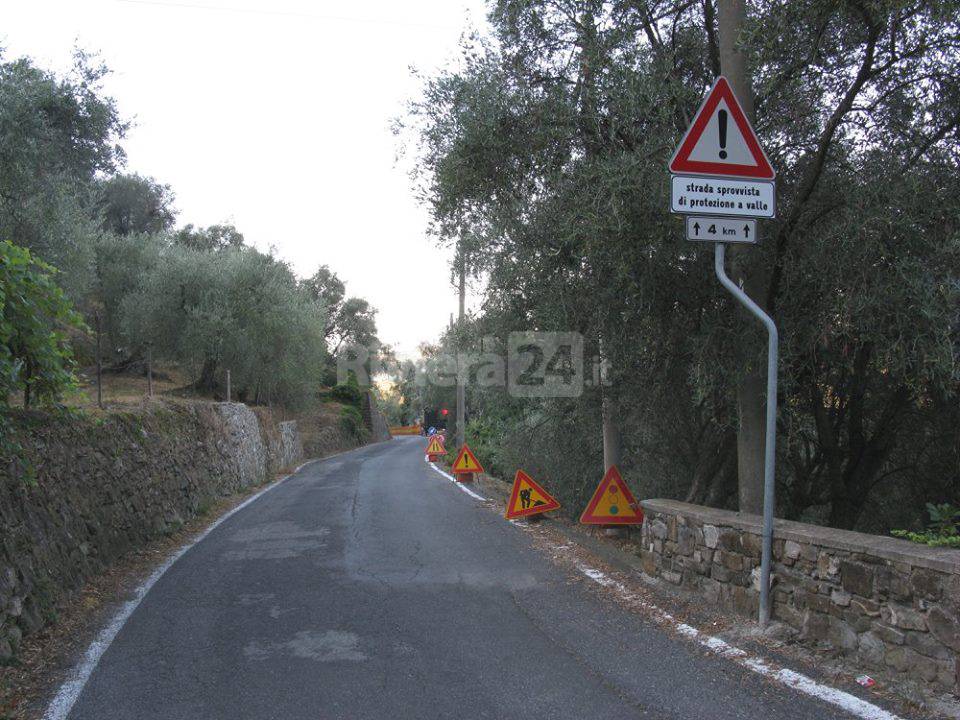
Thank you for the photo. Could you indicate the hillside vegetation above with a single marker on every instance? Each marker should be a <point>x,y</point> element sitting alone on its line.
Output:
<point>90,256</point>
<point>542,155</point>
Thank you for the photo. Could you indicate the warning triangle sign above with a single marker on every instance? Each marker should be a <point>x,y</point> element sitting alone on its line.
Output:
<point>720,140</point>
<point>466,462</point>
<point>435,447</point>
<point>612,503</point>
<point>528,498</point>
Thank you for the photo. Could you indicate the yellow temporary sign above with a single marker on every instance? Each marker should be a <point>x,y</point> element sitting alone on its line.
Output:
<point>466,462</point>
<point>612,503</point>
<point>435,447</point>
<point>528,498</point>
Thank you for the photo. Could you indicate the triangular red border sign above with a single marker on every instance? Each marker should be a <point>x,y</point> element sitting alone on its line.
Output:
<point>550,502</point>
<point>435,446</point>
<point>612,503</point>
<point>758,167</point>
<point>469,460</point>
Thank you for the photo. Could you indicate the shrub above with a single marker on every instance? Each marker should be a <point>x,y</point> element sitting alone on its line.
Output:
<point>347,393</point>
<point>35,355</point>
<point>942,531</point>
<point>351,422</point>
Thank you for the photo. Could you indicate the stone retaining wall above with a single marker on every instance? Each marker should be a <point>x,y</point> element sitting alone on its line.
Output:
<point>289,450</point>
<point>86,488</point>
<point>892,604</point>
<point>374,419</point>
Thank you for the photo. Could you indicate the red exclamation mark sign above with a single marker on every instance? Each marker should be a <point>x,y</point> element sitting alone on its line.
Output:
<point>722,126</point>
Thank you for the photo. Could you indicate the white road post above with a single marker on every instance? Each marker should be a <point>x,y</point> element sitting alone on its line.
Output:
<point>770,447</point>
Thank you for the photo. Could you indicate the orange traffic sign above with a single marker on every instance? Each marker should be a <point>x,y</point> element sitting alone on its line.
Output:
<point>612,503</point>
<point>435,446</point>
<point>466,462</point>
<point>715,146</point>
<point>528,498</point>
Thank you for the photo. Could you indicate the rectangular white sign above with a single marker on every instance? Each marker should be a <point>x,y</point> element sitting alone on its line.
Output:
<point>692,195</point>
<point>719,229</point>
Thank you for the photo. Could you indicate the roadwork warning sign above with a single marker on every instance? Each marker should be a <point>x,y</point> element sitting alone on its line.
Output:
<point>466,462</point>
<point>528,498</point>
<point>435,447</point>
<point>612,503</point>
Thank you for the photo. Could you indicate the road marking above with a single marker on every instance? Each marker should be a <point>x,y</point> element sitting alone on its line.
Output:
<point>790,678</point>
<point>452,479</point>
<point>843,700</point>
<point>67,695</point>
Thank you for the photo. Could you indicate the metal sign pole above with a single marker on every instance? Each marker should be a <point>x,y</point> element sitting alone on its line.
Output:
<point>770,454</point>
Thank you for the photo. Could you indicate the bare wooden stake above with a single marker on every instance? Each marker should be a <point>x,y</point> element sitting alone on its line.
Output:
<point>99,363</point>
<point>149,371</point>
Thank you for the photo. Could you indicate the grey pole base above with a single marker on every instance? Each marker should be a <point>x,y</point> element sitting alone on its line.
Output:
<point>770,450</point>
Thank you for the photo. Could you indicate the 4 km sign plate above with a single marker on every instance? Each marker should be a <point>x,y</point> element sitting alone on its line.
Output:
<point>692,195</point>
<point>718,229</point>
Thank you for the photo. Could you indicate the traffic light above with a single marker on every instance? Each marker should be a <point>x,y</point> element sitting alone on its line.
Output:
<point>444,412</point>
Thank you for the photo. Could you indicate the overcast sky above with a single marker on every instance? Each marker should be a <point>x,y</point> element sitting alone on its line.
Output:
<point>275,115</point>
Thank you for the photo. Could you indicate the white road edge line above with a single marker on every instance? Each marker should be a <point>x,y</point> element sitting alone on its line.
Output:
<point>452,479</point>
<point>70,690</point>
<point>843,700</point>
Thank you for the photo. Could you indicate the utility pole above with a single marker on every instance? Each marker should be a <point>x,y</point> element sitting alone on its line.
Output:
<point>756,439</point>
<point>461,381</point>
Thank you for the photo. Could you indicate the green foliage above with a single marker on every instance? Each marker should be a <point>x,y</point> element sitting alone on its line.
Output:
<point>236,309</point>
<point>928,537</point>
<point>350,321</point>
<point>485,439</point>
<point>944,519</point>
<point>943,530</point>
<point>215,237</point>
<point>542,155</point>
<point>351,422</point>
<point>196,296</point>
<point>348,393</point>
<point>391,404</point>
<point>35,316</point>
<point>56,135</point>
<point>122,266</point>
<point>205,506</point>
<point>130,204</point>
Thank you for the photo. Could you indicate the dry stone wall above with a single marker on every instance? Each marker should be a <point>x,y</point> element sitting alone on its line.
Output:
<point>376,422</point>
<point>84,489</point>
<point>891,604</point>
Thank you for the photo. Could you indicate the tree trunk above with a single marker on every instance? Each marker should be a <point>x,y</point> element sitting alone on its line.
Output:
<point>611,430</point>
<point>751,442</point>
<point>751,437</point>
<point>592,142</point>
<point>208,376</point>
<point>461,380</point>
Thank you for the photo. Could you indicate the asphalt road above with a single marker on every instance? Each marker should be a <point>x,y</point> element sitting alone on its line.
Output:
<point>368,586</point>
